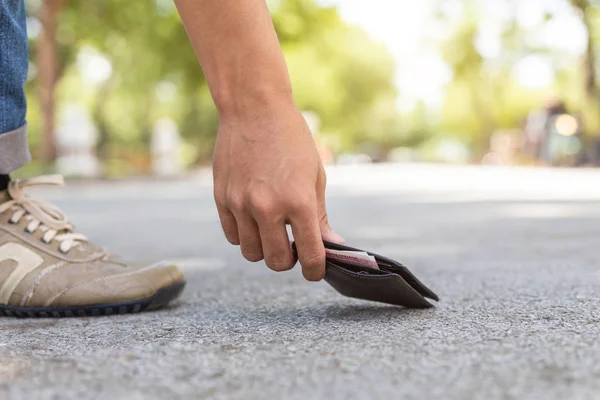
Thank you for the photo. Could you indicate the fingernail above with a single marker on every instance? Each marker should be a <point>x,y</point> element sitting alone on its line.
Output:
<point>331,236</point>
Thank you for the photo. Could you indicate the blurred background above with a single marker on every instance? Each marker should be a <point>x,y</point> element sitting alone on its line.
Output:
<point>115,89</point>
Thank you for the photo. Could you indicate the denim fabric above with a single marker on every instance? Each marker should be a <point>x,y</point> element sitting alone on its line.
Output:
<point>14,152</point>
<point>13,64</point>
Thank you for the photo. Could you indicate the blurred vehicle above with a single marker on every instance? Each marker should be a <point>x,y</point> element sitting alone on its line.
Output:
<point>553,136</point>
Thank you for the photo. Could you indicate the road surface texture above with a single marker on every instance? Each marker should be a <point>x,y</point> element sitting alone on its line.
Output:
<point>513,253</point>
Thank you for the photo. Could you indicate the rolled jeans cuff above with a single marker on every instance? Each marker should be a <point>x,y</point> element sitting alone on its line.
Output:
<point>14,150</point>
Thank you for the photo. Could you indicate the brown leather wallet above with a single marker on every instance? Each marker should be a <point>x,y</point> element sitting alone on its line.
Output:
<point>392,283</point>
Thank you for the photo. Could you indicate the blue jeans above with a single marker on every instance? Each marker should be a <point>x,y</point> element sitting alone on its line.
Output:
<point>14,150</point>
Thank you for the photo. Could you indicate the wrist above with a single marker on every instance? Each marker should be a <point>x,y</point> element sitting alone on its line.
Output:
<point>252,102</point>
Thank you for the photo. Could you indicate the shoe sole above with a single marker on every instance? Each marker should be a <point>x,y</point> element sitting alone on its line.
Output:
<point>158,300</point>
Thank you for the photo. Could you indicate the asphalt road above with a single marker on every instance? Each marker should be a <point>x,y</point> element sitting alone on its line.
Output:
<point>513,254</point>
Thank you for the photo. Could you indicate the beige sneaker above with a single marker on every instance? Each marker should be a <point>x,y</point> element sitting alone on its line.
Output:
<point>48,270</point>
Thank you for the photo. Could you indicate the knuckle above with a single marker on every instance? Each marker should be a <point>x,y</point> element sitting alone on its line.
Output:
<point>220,198</point>
<point>237,205</point>
<point>263,204</point>
<point>300,204</point>
<point>220,193</point>
<point>314,260</point>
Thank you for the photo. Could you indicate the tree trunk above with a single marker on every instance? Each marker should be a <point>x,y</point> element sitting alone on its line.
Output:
<point>591,90</point>
<point>480,106</point>
<point>589,59</point>
<point>47,67</point>
<point>99,116</point>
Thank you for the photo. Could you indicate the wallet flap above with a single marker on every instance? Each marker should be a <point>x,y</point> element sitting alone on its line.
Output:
<point>385,288</point>
<point>392,283</point>
<point>393,266</point>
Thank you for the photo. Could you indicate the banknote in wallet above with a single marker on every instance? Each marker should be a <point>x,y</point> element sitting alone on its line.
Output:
<point>365,275</point>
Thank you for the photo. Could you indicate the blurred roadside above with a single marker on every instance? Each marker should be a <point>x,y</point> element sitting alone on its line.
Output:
<point>422,182</point>
<point>116,91</point>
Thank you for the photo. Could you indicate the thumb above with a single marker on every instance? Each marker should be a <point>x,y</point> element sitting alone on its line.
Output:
<point>327,232</point>
<point>330,236</point>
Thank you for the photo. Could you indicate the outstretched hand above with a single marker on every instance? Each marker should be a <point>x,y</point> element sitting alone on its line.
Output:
<point>267,170</point>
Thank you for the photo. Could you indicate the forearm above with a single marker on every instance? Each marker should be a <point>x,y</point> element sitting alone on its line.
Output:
<point>239,52</point>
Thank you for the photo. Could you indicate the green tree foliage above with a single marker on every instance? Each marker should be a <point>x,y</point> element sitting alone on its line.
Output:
<point>338,71</point>
<point>483,95</point>
<point>467,98</point>
<point>590,16</point>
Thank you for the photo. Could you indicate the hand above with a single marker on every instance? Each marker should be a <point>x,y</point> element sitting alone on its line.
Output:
<point>267,173</point>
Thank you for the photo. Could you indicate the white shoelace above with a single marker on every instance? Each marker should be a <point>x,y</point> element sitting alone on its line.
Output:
<point>41,215</point>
